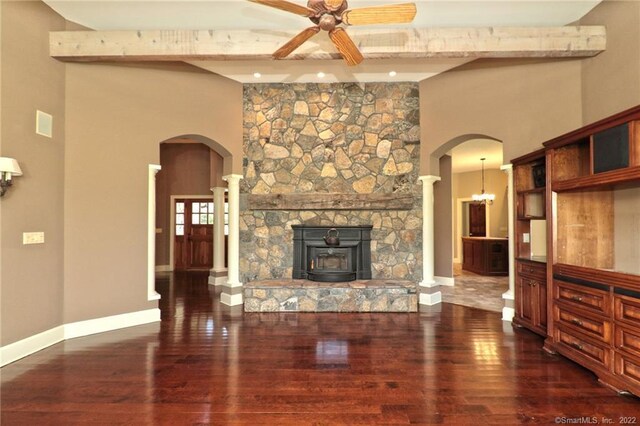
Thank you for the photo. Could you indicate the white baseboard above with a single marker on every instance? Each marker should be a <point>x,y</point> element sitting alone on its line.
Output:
<point>20,349</point>
<point>163,268</point>
<point>448,281</point>
<point>430,299</point>
<point>231,300</point>
<point>508,314</point>
<point>218,280</point>
<point>114,322</point>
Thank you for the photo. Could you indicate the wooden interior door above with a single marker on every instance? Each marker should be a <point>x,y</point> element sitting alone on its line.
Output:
<point>193,244</point>
<point>477,220</point>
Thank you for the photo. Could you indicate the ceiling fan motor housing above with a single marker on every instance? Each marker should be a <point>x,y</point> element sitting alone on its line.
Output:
<point>328,13</point>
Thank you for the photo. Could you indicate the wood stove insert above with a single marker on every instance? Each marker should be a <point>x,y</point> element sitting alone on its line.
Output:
<point>348,260</point>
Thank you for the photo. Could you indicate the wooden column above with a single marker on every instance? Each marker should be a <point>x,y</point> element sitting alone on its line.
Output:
<point>508,310</point>
<point>232,290</point>
<point>218,273</point>
<point>429,289</point>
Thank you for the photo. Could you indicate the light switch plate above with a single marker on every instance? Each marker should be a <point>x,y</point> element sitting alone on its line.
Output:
<point>525,237</point>
<point>33,238</point>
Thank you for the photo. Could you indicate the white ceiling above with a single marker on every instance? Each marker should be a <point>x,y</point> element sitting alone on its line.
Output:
<point>466,156</point>
<point>241,14</point>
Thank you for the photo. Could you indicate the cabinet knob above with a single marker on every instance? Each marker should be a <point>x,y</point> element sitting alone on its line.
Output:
<point>577,346</point>
<point>530,270</point>
<point>533,283</point>
<point>576,321</point>
<point>576,298</point>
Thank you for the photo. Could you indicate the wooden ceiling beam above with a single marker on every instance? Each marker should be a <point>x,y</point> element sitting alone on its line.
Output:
<point>193,45</point>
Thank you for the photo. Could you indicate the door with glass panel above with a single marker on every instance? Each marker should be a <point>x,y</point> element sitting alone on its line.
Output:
<point>193,244</point>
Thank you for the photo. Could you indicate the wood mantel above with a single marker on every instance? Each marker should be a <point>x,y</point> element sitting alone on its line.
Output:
<point>330,201</point>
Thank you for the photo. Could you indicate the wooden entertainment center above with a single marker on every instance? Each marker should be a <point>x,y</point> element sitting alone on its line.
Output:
<point>577,245</point>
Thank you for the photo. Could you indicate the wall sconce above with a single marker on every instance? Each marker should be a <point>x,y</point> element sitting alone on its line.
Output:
<point>9,167</point>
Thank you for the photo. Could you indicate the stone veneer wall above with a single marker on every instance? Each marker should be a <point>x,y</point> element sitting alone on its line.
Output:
<point>331,138</point>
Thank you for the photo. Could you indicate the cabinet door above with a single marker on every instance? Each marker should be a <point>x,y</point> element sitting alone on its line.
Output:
<point>541,304</point>
<point>467,254</point>
<point>479,256</point>
<point>525,299</point>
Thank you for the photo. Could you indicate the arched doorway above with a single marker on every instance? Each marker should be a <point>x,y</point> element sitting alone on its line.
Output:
<point>188,233</point>
<point>461,175</point>
<point>185,212</point>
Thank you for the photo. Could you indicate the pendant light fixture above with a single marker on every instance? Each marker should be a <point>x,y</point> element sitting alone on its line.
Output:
<point>483,198</point>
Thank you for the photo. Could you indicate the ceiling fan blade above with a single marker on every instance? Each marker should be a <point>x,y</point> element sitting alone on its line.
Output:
<point>295,42</point>
<point>346,46</point>
<point>390,14</point>
<point>287,6</point>
<point>333,4</point>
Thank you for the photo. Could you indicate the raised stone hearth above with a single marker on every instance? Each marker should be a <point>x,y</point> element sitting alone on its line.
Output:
<point>310,296</point>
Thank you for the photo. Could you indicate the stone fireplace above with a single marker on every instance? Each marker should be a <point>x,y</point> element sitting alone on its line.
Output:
<point>331,155</point>
<point>315,260</point>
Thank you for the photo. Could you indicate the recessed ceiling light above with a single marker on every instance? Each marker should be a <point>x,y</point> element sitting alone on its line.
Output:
<point>257,75</point>
<point>392,73</point>
<point>321,74</point>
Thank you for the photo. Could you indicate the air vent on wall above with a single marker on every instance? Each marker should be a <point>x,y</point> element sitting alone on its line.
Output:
<point>44,124</point>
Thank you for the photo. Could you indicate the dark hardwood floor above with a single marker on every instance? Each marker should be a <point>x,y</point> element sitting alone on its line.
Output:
<point>209,364</point>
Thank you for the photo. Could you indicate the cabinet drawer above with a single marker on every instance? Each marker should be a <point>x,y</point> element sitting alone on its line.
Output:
<point>588,324</point>
<point>585,297</point>
<point>628,340</point>
<point>629,367</point>
<point>627,309</point>
<point>532,269</point>
<point>598,353</point>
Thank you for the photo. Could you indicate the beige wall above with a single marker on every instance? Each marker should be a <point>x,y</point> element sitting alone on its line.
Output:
<point>611,80</point>
<point>32,276</point>
<point>116,118</point>
<point>469,183</point>
<point>444,219</point>
<point>520,103</point>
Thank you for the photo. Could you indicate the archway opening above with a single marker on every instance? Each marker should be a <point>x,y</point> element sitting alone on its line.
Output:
<point>190,207</point>
<point>472,256</point>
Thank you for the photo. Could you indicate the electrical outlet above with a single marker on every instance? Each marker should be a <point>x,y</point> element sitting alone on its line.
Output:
<point>525,237</point>
<point>33,238</point>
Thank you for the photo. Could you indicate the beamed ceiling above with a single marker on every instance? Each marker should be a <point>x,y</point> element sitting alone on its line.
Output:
<point>236,37</point>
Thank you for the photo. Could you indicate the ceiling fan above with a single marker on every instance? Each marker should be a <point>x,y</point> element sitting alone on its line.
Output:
<point>328,15</point>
